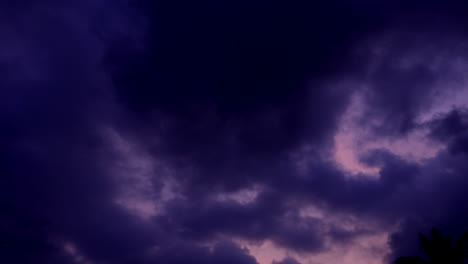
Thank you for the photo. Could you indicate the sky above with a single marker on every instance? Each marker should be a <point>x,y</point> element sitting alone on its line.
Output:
<point>233,131</point>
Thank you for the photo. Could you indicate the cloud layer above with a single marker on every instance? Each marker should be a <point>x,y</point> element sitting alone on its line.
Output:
<point>207,132</point>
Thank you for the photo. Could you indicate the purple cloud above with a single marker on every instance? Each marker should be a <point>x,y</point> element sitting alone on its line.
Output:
<point>205,132</point>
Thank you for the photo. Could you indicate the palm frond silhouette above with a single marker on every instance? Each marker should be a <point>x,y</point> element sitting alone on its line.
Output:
<point>439,249</point>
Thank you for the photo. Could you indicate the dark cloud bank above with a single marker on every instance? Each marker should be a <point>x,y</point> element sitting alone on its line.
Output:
<point>228,95</point>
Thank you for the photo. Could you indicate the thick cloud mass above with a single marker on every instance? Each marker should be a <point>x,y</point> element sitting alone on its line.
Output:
<point>198,131</point>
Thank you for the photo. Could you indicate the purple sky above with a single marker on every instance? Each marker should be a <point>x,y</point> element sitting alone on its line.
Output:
<point>234,132</point>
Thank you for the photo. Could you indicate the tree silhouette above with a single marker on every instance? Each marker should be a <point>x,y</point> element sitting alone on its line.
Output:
<point>439,249</point>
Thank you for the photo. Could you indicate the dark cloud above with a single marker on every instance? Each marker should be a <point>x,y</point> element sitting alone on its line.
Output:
<point>452,129</point>
<point>227,96</point>
<point>55,186</point>
<point>265,218</point>
<point>236,85</point>
<point>441,188</point>
<point>222,252</point>
<point>407,74</point>
<point>287,261</point>
<point>436,204</point>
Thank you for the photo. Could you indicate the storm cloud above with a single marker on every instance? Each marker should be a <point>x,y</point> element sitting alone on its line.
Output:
<point>208,132</point>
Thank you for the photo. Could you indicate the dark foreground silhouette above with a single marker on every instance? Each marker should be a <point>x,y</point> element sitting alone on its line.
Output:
<point>440,249</point>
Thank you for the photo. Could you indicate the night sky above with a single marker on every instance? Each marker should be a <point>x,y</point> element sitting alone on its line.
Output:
<point>231,131</point>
